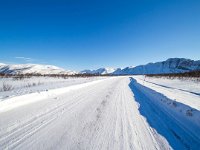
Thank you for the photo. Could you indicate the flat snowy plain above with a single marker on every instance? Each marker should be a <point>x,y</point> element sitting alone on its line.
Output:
<point>115,113</point>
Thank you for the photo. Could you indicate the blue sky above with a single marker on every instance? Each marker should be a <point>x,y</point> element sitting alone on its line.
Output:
<point>77,34</point>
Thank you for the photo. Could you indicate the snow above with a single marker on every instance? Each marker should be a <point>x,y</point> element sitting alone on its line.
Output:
<point>2,64</point>
<point>171,121</point>
<point>33,68</point>
<point>107,70</point>
<point>184,91</point>
<point>27,99</point>
<point>182,111</point>
<point>109,113</point>
<point>38,84</point>
<point>171,65</point>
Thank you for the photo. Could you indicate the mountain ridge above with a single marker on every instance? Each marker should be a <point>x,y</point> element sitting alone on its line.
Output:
<point>106,70</point>
<point>171,65</point>
<point>33,69</point>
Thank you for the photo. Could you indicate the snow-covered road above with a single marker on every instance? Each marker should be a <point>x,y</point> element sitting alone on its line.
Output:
<point>112,114</point>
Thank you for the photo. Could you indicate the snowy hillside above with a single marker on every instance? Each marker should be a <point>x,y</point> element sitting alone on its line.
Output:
<point>107,70</point>
<point>172,65</point>
<point>32,68</point>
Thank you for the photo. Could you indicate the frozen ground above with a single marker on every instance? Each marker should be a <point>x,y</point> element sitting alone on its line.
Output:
<point>183,91</point>
<point>37,84</point>
<point>184,84</point>
<point>117,113</point>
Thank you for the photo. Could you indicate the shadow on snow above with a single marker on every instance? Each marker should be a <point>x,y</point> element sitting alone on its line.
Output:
<point>160,120</point>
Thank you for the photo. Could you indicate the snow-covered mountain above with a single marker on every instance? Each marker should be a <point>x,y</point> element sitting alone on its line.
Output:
<point>33,69</point>
<point>121,71</point>
<point>102,71</point>
<point>172,65</point>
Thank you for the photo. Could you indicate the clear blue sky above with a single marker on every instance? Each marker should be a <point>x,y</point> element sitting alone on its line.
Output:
<point>80,34</point>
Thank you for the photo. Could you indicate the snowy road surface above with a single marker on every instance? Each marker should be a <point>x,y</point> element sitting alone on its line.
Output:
<point>114,114</point>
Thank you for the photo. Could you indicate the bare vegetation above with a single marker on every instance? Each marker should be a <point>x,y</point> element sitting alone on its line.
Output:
<point>195,75</point>
<point>189,112</point>
<point>22,76</point>
<point>186,74</point>
<point>6,87</point>
<point>174,103</point>
<point>18,83</point>
<point>33,84</point>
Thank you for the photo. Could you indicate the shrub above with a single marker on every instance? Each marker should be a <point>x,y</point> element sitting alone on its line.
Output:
<point>174,103</point>
<point>7,87</point>
<point>189,112</point>
<point>194,74</point>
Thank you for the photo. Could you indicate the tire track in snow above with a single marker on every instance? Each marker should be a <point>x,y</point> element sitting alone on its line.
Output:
<point>102,116</point>
<point>32,126</point>
<point>18,134</point>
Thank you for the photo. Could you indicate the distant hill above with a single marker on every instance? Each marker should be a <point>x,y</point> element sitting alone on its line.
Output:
<point>99,71</point>
<point>32,69</point>
<point>171,65</point>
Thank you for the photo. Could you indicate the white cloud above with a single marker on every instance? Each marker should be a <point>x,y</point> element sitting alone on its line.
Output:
<point>25,58</point>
